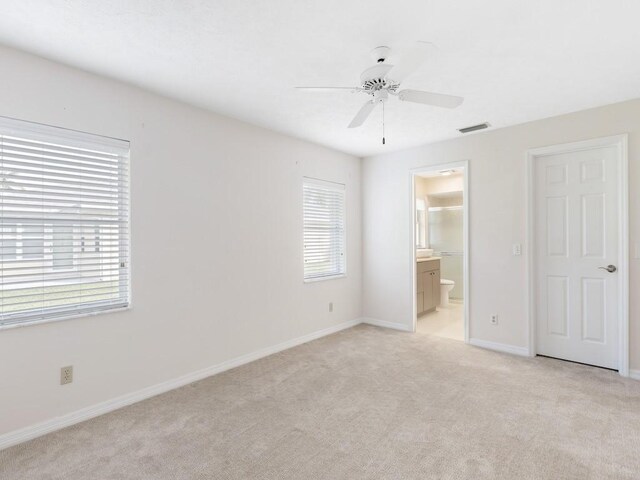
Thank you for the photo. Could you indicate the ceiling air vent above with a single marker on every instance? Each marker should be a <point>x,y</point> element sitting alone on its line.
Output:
<point>473,128</point>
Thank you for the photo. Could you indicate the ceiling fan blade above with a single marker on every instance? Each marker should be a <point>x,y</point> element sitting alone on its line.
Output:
<point>326,89</point>
<point>428,98</point>
<point>363,114</point>
<point>411,61</point>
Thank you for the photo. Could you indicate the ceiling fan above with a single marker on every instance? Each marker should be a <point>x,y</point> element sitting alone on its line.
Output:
<point>383,80</point>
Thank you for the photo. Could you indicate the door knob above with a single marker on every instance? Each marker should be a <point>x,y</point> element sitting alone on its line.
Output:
<point>609,268</point>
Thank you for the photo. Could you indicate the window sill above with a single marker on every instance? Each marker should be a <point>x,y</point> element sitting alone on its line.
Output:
<point>322,279</point>
<point>29,323</point>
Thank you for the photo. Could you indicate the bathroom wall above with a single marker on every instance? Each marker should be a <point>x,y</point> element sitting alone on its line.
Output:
<point>448,201</point>
<point>442,183</point>
<point>435,185</point>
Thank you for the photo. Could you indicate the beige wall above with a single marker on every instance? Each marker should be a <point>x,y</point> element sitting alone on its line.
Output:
<point>440,184</point>
<point>216,255</point>
<point>425,186</point>
<point>454,201</point>
<point>497,197</point>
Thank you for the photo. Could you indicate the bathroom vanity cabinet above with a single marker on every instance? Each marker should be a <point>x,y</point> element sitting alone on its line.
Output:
<point>428,284</point>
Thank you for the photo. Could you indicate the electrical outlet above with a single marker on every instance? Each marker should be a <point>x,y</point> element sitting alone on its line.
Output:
<point>330,307</point>
<point>517,249</point>
<point>494,319</point>
<point>66,375</point>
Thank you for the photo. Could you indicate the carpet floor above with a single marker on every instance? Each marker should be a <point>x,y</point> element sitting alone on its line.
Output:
<point>365,403</point>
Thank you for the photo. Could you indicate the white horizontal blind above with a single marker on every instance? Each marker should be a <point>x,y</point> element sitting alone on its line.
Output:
<point>64,223</point>
<point>324,229</point>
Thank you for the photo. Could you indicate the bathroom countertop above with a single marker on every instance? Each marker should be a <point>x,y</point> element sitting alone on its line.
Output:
<point>427,259</point>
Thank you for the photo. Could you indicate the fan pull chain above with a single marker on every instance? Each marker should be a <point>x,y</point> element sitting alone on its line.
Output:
<point>383,123</point>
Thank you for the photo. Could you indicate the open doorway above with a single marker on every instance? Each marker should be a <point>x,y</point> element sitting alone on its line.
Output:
<point>440,253</point>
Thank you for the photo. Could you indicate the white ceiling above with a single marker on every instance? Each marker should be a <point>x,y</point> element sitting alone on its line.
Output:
<point>512,60</point>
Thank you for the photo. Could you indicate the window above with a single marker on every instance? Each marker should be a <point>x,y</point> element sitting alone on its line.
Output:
<point>32,242</point>
<point>62,247</point>
<point>324,229</point>
<point>57,189</point>
<point>9,244</point>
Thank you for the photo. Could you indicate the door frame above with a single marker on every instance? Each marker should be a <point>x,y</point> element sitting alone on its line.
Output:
<point>619,141</point>
<point>464,165</point>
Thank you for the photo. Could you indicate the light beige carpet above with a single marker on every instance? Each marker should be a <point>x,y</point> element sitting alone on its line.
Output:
<point>365,403</point>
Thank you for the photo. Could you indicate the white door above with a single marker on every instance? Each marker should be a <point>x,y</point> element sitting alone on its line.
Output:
<point>577,228</point>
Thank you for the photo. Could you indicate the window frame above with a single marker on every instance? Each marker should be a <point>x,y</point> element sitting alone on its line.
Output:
<point>335,186</point>
<point>80,139</point>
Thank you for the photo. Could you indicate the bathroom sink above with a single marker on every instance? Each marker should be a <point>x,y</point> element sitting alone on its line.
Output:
<point>424,252</point>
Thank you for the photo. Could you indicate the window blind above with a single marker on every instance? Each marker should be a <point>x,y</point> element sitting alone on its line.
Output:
<point>64,223</point>
<point>324,229</point>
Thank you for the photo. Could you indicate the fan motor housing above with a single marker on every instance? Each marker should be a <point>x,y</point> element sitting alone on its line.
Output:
<point>375,84</point>
<point>373,80</point>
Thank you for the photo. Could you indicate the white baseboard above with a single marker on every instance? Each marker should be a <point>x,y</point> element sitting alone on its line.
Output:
<point>386,324</point>
<point>635,374</point>
<point>48,426</point>
<point>500,347</point>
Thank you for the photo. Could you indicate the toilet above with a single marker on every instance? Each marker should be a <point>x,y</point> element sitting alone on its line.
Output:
<point>445,287</point>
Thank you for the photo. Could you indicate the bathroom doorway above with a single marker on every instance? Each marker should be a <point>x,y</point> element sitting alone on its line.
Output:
<point>439,203</point>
